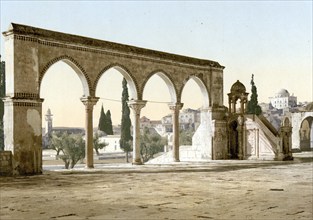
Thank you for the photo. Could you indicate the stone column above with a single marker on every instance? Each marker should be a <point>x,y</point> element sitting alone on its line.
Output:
<point>234,104</point>
<point>229,105</point>
<point>245,105</point>
<point>240,137</point>
<point>175,108</point>
<point>242,106</point>
<point>89,102</point>
<point>284,151</point>
<point>136,106</point>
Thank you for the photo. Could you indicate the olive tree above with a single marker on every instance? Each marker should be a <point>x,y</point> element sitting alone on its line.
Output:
<point>72,147</point>
<point>150,144</point>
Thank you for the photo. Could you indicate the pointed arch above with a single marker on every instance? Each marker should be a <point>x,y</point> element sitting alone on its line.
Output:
<point>85,80</point>
<point>286,122</point>
<point>126,74</point>
<point>306,133</point>
<point>168,81</point>
<point>203,89</point>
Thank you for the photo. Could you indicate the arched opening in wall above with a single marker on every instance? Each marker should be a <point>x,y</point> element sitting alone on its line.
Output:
<point>109,90</point>
<point>196,99</point>
<point>156,116</point>
<point>62,111</point>
<point>306,134</point>
<point>233,140</point>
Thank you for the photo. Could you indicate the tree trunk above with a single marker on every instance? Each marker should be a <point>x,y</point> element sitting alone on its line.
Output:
<point>97,151</point>
<point>127,161</point>
<point>72,164</point>
<point>67,164</point>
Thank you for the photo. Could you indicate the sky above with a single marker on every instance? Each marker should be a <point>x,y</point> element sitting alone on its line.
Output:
<point>270,39</point>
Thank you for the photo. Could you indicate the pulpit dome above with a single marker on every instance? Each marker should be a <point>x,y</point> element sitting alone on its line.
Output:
<point>238,87</point>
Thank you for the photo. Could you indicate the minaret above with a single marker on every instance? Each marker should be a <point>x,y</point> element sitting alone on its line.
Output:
<point>48,118</point>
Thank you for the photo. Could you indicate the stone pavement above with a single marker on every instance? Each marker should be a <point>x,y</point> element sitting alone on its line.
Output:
<point>186,190</point>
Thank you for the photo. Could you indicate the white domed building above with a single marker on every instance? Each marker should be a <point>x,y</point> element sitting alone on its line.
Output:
<point>283,99</point>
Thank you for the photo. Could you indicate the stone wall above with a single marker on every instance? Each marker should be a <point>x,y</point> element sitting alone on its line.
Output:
<point>296,121</point>
<point>6,168</point>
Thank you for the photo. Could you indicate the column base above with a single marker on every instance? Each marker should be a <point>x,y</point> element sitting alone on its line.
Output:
<point>89,167</point>
<point>176,160</point>
<point>137,162</point>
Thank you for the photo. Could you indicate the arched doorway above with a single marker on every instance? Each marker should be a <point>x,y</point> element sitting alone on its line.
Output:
<point>160,93</point>
<point>233,140</point>
<point>109,89</point>
<point>61,85</point>
<point>195,97</point>
<point>306,134</point>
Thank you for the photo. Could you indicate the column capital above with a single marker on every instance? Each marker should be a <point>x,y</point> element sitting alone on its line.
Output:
<point>176,106</point>
<point>89,100</point>
<point>136,105</point>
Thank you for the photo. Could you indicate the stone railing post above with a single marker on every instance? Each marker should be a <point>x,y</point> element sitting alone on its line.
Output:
<point>136,106</point>
<point>240,128</point>
<point>89,102</point>
<point>175,108</point>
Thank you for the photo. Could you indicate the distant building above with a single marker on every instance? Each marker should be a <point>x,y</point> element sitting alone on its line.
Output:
<point>144,122</point>
<point>113,144</point>
<point>282,99</point>
<point>48,119</point>
<point>188,119</point>
<point>282,106</point>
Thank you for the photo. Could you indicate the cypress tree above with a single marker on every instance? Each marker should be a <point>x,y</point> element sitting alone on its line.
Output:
<point>125,141</point>
<point>253,107</point>
<point>102,121</point>
<point>109,126</point>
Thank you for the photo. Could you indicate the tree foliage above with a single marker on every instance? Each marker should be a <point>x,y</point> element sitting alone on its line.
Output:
<point>102,120</point>
<point>72,147</point>
<point>109,126</point>
<point>105,122</point>
<point>97,145</point>
<point>56,142</point>
<point>185,137</point>
<point>126,138</point>
<point>151,143</point>
<point>253,107</point>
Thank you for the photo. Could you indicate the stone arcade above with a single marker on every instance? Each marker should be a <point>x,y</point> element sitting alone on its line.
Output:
<point>30,51</point>
<point>222,134</point>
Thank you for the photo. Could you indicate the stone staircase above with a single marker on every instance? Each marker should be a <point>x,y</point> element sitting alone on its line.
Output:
<point>186,153</point>
<point>268,129</point>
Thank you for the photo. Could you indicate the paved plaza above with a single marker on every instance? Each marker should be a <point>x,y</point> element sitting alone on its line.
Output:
<point>187,190</point>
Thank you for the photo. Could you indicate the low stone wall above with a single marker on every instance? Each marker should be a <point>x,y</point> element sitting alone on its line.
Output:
<point>6,167</point>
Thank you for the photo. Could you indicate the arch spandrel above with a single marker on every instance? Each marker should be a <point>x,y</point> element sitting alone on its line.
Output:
<point>80,71</point>
<point>168,81</point>
<point>131,80</point>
